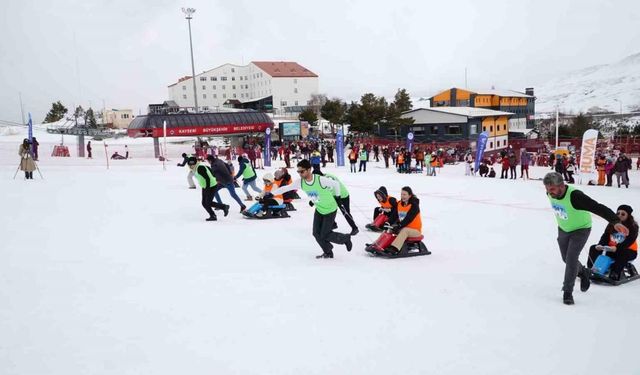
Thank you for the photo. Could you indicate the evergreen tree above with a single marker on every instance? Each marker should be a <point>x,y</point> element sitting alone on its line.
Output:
<point>334,111</point>
<point>308,115</point>
<point>90,119</point>
<point>79,112</point>
<point>401,103</point>
<point>56,113</point>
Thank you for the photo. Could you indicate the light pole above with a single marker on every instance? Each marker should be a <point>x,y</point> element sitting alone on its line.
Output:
<point>188,12</point>
<point>616,100</point>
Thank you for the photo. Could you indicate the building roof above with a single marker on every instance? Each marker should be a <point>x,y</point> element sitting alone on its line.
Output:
<point>465,111</point>
<point>284,69</point>
<point>180,80</point>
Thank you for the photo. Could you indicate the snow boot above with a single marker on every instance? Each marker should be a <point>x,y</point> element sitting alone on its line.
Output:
<point>633,272</point>
<point>225,209</point>
<point>348,243</point>
<point>614,275</point>
<point>392,250</point>
<point>324,256</point>
<point>242,208</point>
<point>212,218</point>
<point>249,198</point>
<point>354,231</point>
<point>192,187</point>
<point>567,298</point>
<point>585,279</point>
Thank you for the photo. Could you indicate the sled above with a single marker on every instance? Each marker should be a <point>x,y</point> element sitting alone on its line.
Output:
<point>289,206</point>
<point>272,212</point>
<point>413,246</point>
<point>628,274</point>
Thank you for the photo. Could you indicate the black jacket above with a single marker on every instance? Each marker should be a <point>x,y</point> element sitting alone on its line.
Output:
<point>221,172</point>
<point>628,241</point>
<point>392,216</point>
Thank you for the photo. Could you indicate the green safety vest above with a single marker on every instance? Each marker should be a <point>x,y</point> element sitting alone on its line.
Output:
<point>344,193</point>
<point>248,172</point>
<point>321,196</point>
<point>568,217</point>
<point>363,155</point>
<point>203,183</point>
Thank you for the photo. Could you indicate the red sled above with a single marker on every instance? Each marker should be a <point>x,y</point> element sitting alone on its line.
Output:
<point>413,246</point>
<point>378,223</point>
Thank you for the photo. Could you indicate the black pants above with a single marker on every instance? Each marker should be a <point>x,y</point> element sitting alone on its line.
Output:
<point>207,199</point>
<point>386,162</point>
<point>28,175</point>
<point>347,212</point>
<point>324,234</point>
<point>512,172</point>
<point>504,172</point>
<point>363,164</point>
<point>620,257</point>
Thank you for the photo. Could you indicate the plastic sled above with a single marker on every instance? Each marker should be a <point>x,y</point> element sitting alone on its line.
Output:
<point>628,274</point>
<point>272,212</point>
<point>413,246</point>
<point>289,206</point>
<point>378,223</point>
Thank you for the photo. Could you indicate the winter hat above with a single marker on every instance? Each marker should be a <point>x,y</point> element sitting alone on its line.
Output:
<point>192,161</point>
<point>626,208</point>
<point>268,177</point>
<point>210,158</point>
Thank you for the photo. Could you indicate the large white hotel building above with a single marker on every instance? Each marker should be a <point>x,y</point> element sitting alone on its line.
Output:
<point>262,85</point>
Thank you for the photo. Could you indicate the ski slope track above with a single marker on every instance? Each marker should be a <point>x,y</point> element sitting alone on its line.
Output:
<point>116,272</point>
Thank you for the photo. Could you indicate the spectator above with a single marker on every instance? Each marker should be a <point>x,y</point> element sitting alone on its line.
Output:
<point>353,159</point>
<point>35,144</point>
<point>89,150</point>
<point>525,160</point>
<point>512,165</point>
<point>505,167</point>
<point>621,168</point>
<point>363,155</point>
<point>27,165</point>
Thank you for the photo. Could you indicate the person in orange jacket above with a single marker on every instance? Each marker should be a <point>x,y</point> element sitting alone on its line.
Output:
<point>600,167</point>
<point>410,222</point>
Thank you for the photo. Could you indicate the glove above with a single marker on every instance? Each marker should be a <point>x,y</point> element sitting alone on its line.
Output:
<point>311,204</point>
<point>266,196</point>
<point>395,228</point>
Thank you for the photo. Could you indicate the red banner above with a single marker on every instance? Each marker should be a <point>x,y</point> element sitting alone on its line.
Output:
<point>187,131</point>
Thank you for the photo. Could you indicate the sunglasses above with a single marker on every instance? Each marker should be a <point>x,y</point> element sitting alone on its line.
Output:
<point>300,171</point>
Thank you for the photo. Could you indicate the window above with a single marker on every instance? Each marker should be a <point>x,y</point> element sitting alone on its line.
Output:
<point>283,103</point>
<point>203,79</point>
<point>490,144</point>
<point>223,78</point>
<point>234,95</point>
<point>224,96</point>
<point>490,128</point>
<point>205,108</point>
<point>242,95</point>
<point>295,90</point>
<point>214,87</point>
<point>484,128</point>
<point>184,96</point>
<point>434,129</point>
<point>215,96</point>
<point>233,70</point>
<point>296,103</point>
<point>454,129</point>
<point>241,78</point>
<point>204,96</point>
<point>204,87</point>
<point>295,80</point>
<point>245,78</point>
<point>233,78</point>
<point>473,129</point>
<point>184,87</point>
<point>224,87</point>
<point>233,87</point>
<point>214,78</point>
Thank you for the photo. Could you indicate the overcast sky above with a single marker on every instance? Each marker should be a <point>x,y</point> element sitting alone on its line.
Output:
<point>127,52</point>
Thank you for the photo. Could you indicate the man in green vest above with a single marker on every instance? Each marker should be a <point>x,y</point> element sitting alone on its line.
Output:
<point>209,186</point>
<point>249,177</point>
<point>363,155</point>
<point>325,195</point>
<point>573,211</point>
<point>344,204</point>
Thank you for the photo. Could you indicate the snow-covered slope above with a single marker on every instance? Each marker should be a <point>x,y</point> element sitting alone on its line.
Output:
<point>594,89</point>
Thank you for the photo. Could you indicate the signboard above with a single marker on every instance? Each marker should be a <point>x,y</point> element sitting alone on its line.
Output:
<point>482,144</point>
<point>290,129</point>
<point>340,149</point>
<point>588,156</point>
<point>267,148</point>
<point>187,131</point>
<point>409,141</point>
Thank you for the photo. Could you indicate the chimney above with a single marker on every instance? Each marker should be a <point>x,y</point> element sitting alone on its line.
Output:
<point>529,91</point>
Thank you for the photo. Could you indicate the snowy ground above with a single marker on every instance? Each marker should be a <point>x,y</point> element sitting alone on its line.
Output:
<point>116,272</point>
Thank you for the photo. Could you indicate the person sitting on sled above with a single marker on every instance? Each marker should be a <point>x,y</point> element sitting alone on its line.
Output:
<point>615,245</point>
<point>283,178</point>
<point>260,207</point>
<point>388,206</point>
<point>410,222</point>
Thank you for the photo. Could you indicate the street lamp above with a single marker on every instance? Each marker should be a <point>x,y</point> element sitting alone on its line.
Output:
<point>616,100</point>
<point>188,12</point>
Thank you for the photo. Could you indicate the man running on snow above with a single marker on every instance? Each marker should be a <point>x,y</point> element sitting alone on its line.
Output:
<point>572,208</point>
<point>325,195</point>
<point>344,204</point>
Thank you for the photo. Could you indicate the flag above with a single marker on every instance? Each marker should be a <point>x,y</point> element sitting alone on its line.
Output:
<point>480,146</point>
<point>409,141</point>
<point>588,155</point>
<point>340,149</point>
<point>30,133</point>
<point>267,148</point>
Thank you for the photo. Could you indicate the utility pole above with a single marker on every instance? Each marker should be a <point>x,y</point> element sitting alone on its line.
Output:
<point>188,12</point>
<point>21,108</point>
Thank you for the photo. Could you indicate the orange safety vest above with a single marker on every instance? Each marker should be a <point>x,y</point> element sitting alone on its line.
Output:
<point>416,223</point>
<point>400,158</point>
<point>613,243</point>
<point>268,188</point>
<point>386,204</point>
